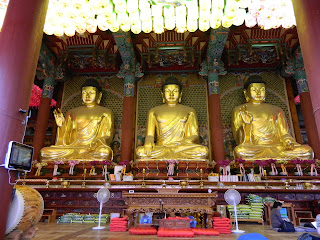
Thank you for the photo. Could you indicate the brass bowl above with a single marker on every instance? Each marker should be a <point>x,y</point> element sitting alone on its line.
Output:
<point>307,185</point>
<point>183,184</point>
<point>65,184</point>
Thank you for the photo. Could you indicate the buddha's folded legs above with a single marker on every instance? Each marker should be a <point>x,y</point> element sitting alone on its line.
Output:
<point>174,152</point>
<point>53,153</point>
<point>191,152</point>
<point>157,153</point>
<point>56,152</point>
<point>298,151</point>
<point>263,152</point>
<point>101,153</point>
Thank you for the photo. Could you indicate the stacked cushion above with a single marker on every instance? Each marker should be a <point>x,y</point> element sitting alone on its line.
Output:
<point>205,231</point>
<point>182,232</point>
<point>222,224</point>
<point>119,224</point>
<point>256,204</point>
<point>143,231</point>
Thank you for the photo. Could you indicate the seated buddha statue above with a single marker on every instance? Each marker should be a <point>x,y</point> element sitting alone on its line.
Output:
<point>86,132</point>
<point>261,130</point>
<point>172,129</point>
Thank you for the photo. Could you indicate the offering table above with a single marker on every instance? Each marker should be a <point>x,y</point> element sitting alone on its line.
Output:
<point>170,201</point>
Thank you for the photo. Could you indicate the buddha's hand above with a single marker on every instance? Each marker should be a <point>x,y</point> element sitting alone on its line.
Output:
<point>288,143</point>
<point>94,144</point>
<point>58,115</point>
<point>148,146</point>
<point>245,115</point>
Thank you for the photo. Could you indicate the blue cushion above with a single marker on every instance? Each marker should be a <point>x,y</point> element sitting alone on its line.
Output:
<point>252,236</point>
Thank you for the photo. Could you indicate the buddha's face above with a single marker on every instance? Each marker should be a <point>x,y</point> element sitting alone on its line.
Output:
<point>90,95</point>
<point>171,94</point>
<point>256,93</point>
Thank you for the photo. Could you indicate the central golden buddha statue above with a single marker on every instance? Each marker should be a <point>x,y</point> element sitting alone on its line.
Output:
<point>261,130</point>
<point>174,127</point>
<point>86,132</point>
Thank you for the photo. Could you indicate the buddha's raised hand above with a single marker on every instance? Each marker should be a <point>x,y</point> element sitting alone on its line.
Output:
<point>58,115</point>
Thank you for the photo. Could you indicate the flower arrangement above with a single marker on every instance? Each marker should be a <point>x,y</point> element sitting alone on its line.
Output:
<point>261,164</point>
<point>224,164</point>
<point>105,164</point>
<point>313,169</point>
<point>93,169</point>
<point>72,164</point>
<point>124,163</point>
<point>240,162</point>
<point>56,166</point>
<point>283,164</point>
<point>171,164</point>
<point>39,166</point>
<point>272,163</point>
<point>298,163</point>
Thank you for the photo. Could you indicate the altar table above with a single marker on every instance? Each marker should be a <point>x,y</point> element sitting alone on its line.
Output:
<point>170,201</point>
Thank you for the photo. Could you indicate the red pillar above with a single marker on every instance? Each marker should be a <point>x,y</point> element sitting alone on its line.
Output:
<point>41,127</point>
<point>216,133</point>
<point>310,123</point>
<point>216,127</point>
<point>128,118</point>
<point>308,18</point>
<point>43,116</point>
<point>293,110</point>
<point>20,41</point>
<point>127,128</point>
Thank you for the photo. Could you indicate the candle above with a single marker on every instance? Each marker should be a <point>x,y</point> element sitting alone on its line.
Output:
<point>201,170</point>
<point>144,170</point>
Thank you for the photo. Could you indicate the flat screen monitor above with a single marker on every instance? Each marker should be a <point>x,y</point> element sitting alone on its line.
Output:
<point>19,157</point>
<point>283,213</point>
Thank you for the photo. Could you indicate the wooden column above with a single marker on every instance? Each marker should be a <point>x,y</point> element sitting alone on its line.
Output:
<point>43,117</point>
<point>216,132</point>
<point>20,41</point>
<point>293,110</point>
<point>310,123</point>
<point>128,119</point>
<point>308,18</point>
<point>216,127</point>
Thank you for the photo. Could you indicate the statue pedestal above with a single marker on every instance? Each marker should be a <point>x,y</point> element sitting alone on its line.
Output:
<point>158,169</point>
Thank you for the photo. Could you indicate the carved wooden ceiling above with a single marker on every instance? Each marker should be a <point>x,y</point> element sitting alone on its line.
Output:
<point>171,51</point>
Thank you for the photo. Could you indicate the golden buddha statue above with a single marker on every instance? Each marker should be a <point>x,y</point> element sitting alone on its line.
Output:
<point>261,130</point>
<point>86,132</point>
<point>174,127</point>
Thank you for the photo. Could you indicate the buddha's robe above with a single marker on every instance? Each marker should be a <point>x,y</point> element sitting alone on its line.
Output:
<point>85,135</point>
<point>176,131</point>
<point>264,137</point>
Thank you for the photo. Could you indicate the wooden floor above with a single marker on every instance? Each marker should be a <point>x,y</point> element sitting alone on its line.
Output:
<point>73,231</point>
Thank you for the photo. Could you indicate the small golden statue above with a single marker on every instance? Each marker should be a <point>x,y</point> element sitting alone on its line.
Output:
<point>174,127</point>
<point>86,132</point>
<point>261,129</point>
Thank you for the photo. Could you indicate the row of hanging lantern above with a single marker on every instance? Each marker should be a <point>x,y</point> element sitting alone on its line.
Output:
<point>71,16</point>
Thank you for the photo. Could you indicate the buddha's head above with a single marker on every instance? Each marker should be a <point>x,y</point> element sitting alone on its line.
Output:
<point>91,92</point>
<point>255,89</point>
<point>171,91</point>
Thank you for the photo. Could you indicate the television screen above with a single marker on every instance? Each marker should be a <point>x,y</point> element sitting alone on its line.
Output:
<point>284,213</point>
<point>19,157</point>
